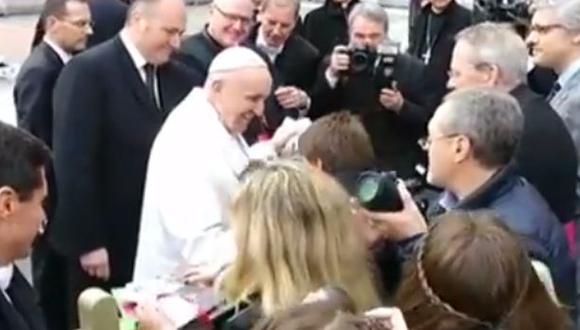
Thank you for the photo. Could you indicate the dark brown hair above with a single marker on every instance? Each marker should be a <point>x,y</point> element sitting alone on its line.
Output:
<point>340,141</point>
<point>471,272</point>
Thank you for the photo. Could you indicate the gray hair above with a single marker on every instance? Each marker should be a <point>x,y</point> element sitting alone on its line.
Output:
<point>498,44</point>
<point>491,119</point>
<point>567,11</point>
<point>371,11</point>
<point>281,3</point>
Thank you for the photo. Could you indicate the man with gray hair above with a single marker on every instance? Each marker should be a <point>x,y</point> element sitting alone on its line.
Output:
<point>388,100</point>
<point>493,55</point>
<point>555,42</point>
<point>472,139</point>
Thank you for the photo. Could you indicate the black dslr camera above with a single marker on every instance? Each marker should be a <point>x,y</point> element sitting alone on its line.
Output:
<point>377,191</point>
<point>373,65</point>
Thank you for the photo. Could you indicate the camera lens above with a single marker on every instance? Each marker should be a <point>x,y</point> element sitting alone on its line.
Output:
<point>359,61</point>
<point>368,189</point>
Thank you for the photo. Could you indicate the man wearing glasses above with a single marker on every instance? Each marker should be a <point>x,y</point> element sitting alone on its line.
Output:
<point>493,55</point>
<point>229,25</point>
<point>68,26</point>
<point>554,40</point>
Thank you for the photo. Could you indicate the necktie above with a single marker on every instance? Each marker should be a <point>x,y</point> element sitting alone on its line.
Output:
<point>150,82</point>
<point>555,89</point>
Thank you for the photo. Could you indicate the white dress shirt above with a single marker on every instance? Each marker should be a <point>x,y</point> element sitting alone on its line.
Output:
<point>62,54</point>
<point>138,59</point>
<point>6,273</point>
<point>271,51</point>
<point>565,76</point>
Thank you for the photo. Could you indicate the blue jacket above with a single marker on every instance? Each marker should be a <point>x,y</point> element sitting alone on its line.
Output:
<point>524,211</point>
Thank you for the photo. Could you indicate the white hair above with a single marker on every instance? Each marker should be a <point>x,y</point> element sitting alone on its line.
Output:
<point>233,59</point>
<point>498,44</point>
<point>567,11</point>
<point>371,11</point>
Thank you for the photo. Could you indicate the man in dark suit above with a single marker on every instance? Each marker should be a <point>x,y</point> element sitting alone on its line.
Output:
<point>394,114</point>
<point>489,54</point>
<point>327,26</point>
<point>432,39</point>
<point>68,25</point>
<point>293,60</point>
<point>108,19</point>
<point>109,104</point>
<point>23,160</point>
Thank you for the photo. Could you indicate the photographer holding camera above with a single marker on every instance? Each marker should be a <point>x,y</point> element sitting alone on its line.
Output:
<point>381,85</point>
<point>472,140</point>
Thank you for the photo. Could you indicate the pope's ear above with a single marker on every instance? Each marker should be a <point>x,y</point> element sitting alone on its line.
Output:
<point>217,85</point>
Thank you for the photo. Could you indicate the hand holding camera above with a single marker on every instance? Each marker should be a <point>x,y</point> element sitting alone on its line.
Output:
<point>391,98</point>
<point>339,61</point>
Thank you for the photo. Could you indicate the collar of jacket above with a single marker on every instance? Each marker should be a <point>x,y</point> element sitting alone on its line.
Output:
<point>499,184</point>
<point>214,43</point>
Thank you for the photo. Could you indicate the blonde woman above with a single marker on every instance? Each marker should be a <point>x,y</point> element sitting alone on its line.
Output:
<point>295,233</point>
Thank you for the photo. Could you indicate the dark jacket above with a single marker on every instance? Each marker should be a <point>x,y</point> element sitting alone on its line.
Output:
<point>394,136</point>
<point>546,156</point>
<point>454,19</point>
<point>197,52</point>
<point>108,16</point>
<point>524,211</point>
<point>33,91</point>
<point>105,122</point>
<point>327,26</point>
<point>541,80</point>
<point>296,66</point>
<point>24,312</point>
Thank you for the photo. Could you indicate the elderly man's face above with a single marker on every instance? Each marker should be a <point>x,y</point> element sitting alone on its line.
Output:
<point>231,20</point>
<point>463,71</point>
<point>161,29</point>
<point>551,43</point>
<point>239,97</point>
<point>366,33</point>
<point>277,23</point>
<point>440,148</point>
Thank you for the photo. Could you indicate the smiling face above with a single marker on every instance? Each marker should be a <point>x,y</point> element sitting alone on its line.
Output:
<point>239,96</point>
<point>230,21</point>
<point>277,23</point>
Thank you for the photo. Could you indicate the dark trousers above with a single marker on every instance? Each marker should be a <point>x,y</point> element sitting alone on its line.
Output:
<point>50,281</point>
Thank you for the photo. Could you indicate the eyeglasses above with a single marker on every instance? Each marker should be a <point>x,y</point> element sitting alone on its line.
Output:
<point>81,24</point>
<point>425,143</point>
<point>244,20</point>
<point>544,29</point>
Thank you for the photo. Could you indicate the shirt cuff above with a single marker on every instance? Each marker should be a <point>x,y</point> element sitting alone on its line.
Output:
<point>331,79</point>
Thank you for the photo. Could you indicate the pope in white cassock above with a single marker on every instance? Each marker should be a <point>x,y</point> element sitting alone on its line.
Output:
<point>195,167</point>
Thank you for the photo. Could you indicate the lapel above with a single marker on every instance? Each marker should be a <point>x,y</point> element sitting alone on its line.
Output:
<point>50,55</point>
<point>23,313</point>
<point>133,78</point>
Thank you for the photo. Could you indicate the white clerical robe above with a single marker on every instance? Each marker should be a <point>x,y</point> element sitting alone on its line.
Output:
<point>193,170</point>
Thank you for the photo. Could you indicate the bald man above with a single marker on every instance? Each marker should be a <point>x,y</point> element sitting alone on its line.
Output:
<point>195,166</point>
<point>109,104</point>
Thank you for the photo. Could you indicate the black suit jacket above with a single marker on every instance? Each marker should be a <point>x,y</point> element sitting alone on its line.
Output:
<point>455,19</point>
<point>546,156</point>
<point>105,124</point>
<point>394,136</point>
<point>33,91</point>
<point>297,66</point>
<point>24,312</point>
<point>108,16</point>
<point>327,26</point>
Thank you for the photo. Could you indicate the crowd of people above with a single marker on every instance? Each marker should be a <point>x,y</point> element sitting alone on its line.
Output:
<point>233,158</point>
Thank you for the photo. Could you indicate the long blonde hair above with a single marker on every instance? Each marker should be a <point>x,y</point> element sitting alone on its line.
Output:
<point>295,233</point>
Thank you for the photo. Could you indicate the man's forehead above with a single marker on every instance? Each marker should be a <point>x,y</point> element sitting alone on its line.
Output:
<point>242,7</point>
<point>544,15</point>
<point>77,8</point>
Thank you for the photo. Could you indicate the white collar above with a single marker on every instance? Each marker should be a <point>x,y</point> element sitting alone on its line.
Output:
<point>568,73</point>
<point>135,54</point>
<point>271,51</point>
<point>6,273</point>
<point>62,54</point>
